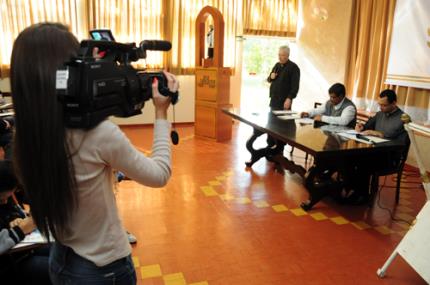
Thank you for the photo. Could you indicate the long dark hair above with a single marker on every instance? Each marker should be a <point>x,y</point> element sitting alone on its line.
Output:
<point>41,153</point>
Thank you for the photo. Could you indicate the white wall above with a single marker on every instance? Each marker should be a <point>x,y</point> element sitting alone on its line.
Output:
<point>5,85</point>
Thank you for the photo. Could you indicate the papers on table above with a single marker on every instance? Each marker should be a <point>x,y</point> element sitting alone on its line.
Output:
<point>6,114</point>
<point>289,117</point>
<point>334,128</point>
<point>306,121</point>
<point>352,134</point>
<point>283,112</point>
<point>32,238</point>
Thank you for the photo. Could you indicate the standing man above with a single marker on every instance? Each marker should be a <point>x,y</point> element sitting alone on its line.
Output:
<point>284,82</point>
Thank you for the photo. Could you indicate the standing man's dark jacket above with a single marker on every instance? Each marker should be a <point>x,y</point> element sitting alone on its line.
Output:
<point>285,85</point>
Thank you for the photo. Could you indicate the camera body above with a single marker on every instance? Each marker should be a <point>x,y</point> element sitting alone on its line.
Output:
<point>92,89</point>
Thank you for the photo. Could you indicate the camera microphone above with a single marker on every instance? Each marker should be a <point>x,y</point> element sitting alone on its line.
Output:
<point>155,45</point>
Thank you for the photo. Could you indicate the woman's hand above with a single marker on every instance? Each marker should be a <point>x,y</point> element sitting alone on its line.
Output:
<point>162,103</point>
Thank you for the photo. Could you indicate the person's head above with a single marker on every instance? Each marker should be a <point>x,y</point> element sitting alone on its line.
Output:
<point>336,93</point>
<point>283,54</point>
<point>40,147</point>
<point>387,101</point>
<point>211,27</point>
<point>8,181</point>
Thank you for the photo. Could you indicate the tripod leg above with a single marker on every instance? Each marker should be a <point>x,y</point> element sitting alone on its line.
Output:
<point>381,271</point>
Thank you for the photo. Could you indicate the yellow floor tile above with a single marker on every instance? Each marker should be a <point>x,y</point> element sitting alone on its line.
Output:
<point>298,212</point>
<point>279,208</point>
<point>261,204</point>
<point>339,220</point>
<point>227,197</point>
<point>319,216</point>
<point>174,279</point>
<point>136,261</point>
<point>220,178</point>
<point>149,271</point>
<point>214,183</point>
<point>200,283</point>
<point>361,225</point>
<point>243,200</point>
<point>208,191</point>
<point>384,230</point>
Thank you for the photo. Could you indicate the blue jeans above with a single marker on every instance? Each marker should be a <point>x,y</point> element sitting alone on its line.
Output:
<point>66,267</point>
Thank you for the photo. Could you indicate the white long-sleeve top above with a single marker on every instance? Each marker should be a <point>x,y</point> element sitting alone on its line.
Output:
<point>344,119</point>
<point>96,231</point>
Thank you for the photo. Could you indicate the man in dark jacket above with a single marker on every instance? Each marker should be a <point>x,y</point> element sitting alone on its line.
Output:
<point>284,82</point>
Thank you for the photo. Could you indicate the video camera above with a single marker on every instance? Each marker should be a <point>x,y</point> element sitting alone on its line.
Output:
<point>92,89</point>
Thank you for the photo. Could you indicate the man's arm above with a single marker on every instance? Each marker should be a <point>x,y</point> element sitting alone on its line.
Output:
<point>272,74</point>
<point>295,82</point>
<point>348,114</point>
<point>370,124</point>
<point>317,111</point>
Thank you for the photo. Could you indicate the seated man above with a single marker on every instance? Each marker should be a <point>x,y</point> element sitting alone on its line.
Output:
<point>339,110</point>
<point>386,123</point>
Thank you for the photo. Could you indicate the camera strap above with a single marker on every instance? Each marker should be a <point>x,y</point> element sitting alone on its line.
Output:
<point>174,136</point>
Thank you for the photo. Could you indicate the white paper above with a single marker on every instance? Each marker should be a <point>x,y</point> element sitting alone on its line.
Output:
<point>7,114</point>
<point>334,128</point>
<point>307,121</point>
<point>289,117</point>
<point>372,139</point>
<point>283,112</point>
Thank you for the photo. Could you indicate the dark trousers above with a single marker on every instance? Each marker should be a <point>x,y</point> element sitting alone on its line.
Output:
<point>66,267</point>
<point>272,142</point>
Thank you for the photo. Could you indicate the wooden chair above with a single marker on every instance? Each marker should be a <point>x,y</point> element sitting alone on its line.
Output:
<point>395,168</point>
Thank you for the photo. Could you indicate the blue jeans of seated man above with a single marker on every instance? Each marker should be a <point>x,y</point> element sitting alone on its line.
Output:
<point>66,267</point>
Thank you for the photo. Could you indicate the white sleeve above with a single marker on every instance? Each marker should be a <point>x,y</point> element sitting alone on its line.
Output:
<point>118,152</point>
<point>348,114</point>
<point>317,111</point>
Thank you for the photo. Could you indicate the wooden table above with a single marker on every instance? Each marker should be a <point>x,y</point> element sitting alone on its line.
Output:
<point>329,150</point>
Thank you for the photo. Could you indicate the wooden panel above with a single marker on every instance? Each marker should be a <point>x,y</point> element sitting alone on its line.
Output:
<point>206,84</point>
<point>213,84</point>
<point>205,121</point>
<point>224,124</point>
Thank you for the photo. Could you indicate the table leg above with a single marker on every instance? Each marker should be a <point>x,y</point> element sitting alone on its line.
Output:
<point>317,189</point>
<point>256,154</point>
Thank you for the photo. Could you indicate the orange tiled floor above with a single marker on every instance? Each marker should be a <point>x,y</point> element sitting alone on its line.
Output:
<point>217,222</point>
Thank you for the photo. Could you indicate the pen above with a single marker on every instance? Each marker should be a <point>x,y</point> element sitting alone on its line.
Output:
<point>359,136</point>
